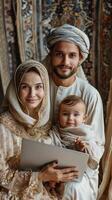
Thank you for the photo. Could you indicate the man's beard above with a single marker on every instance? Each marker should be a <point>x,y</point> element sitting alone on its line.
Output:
<point>63,76</point>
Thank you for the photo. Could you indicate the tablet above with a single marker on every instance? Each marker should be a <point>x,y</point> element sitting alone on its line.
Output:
<point>35,154</point>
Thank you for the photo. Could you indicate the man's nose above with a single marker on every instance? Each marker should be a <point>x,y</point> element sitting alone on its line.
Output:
<point>66,60</point>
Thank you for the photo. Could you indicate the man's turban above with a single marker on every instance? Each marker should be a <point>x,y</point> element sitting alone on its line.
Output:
<point>72,34</point>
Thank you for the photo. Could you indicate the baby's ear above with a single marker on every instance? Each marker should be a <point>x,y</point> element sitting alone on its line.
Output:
<point>85,119</point>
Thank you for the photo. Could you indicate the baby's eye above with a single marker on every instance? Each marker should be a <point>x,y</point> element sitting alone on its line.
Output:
<point>76,114</point>
<point>65,114</point>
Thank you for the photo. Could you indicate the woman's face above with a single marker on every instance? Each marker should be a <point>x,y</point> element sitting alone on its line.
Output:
<point>31,91</point>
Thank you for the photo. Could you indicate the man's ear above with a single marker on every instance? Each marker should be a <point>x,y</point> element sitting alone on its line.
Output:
<point>80,59</point>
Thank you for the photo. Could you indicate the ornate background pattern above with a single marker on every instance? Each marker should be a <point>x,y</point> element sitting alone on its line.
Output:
<point>26,23</point>
<point>104,57</point>
<point>26,29</point>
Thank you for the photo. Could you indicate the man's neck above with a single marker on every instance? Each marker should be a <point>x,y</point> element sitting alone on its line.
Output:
<point>64,82</point>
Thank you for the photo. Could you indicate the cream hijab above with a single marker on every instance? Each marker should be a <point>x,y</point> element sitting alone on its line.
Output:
<point>13,103</point>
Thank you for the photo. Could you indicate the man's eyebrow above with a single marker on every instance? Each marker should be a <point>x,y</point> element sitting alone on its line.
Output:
<point>61,51</point>
<point>58,50</point>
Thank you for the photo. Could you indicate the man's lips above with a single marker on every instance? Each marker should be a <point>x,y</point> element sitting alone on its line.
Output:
<point>64,67</point>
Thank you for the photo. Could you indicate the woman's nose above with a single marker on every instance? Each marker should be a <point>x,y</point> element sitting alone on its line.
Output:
<point>32,92</point>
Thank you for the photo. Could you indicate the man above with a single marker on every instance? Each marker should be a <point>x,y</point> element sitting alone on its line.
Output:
<point>69,47</point>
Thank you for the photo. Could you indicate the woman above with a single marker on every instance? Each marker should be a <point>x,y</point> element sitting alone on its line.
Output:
<point>26,102</point>
<point>26,116</point>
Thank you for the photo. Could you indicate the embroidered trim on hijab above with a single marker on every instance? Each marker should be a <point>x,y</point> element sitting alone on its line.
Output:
<point>72,34</point>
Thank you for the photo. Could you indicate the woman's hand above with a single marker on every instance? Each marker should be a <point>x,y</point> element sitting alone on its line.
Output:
<point>53,173</point>
<point>14,161</point>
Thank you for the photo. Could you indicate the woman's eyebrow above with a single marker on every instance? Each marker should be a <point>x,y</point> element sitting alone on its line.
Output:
<point>34,84</point>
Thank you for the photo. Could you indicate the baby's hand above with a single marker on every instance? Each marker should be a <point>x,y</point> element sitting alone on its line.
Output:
<point>80,145</point>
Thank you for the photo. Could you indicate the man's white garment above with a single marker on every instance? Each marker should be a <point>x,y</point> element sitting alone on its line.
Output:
<point>91,98</point>
<point>93,103</point>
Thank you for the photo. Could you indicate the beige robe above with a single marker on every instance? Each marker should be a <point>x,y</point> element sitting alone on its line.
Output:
<point>15,184</point>
<point>105,190</point>
<point>16,124</point>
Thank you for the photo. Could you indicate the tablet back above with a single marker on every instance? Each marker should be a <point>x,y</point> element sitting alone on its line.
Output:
<point>35,154</point>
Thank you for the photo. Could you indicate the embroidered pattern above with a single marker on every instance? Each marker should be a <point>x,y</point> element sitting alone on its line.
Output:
<point>33,133</point>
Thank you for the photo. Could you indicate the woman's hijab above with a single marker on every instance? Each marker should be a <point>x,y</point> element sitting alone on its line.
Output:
<point>13,103</point>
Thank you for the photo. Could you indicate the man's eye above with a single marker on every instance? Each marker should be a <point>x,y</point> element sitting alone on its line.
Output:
<point>72,55</point>
<point>58,54</point>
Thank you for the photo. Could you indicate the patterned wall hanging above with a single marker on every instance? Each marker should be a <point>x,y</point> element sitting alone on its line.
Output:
<point>27,22</point>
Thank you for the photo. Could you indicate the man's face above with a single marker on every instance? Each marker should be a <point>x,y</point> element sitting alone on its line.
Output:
<point>65,57</point>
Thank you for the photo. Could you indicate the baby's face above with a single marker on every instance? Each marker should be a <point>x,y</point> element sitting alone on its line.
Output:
<point>71,116</point>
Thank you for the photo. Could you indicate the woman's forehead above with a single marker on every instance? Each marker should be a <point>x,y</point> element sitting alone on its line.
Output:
<point>31,77</point>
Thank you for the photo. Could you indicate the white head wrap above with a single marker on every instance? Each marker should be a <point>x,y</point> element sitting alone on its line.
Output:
<point>72,34</point>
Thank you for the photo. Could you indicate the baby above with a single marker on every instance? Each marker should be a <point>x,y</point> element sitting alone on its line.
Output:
<point>72,132</point>
<point>72,113</point>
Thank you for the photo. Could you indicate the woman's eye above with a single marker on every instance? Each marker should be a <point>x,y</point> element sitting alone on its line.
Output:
<point>39,86</point>
<point>23,87</point>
